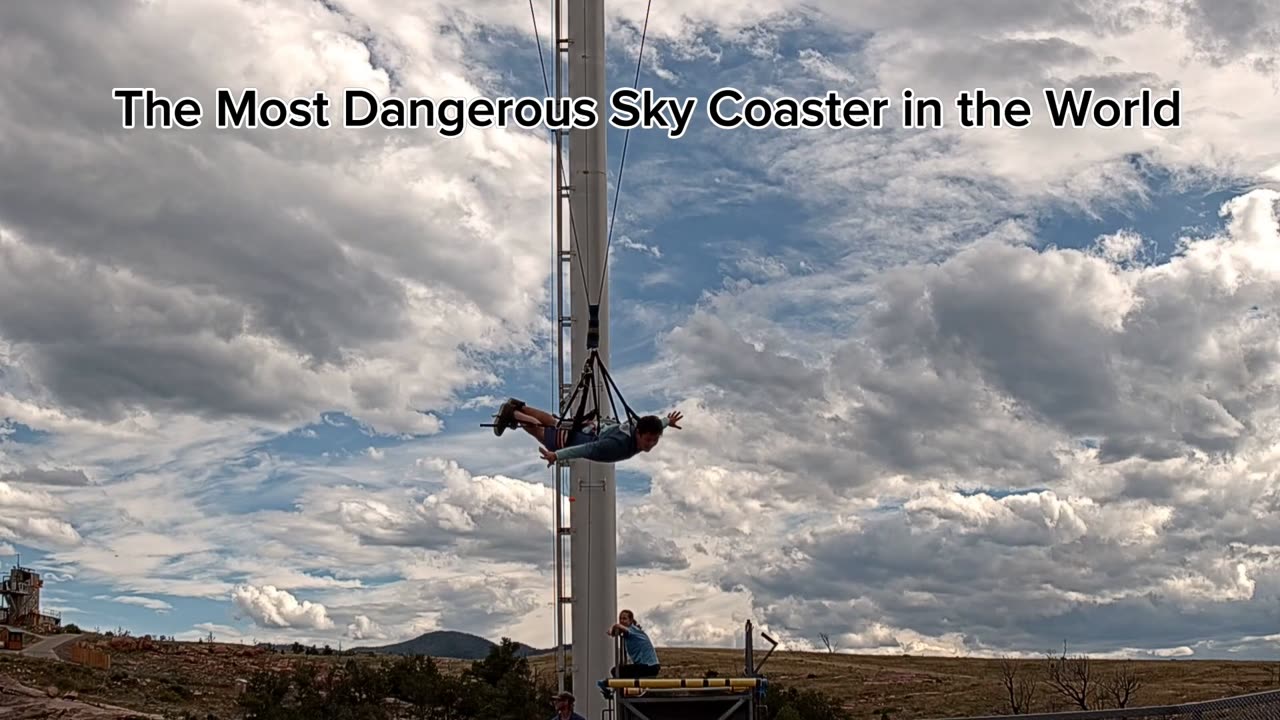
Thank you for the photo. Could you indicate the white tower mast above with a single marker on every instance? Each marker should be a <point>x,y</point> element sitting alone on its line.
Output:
<point>592,513</point>
<point>592,496</point>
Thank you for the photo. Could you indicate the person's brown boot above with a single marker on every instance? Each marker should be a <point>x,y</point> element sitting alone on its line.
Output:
<point>506,416</point>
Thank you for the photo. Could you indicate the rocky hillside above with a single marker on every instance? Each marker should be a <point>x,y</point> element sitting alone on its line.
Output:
<point>19,702</point>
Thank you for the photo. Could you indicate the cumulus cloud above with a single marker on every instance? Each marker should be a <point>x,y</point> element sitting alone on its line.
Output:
<point>876,198</point>
<point>1039,350</point>
<point>468,514</point>
<point>1142,394</point>
<point>639,548</point>
<point>160,606</point>
<point>311,273</point>
<point>271,607</point>
<point>40,476</point>
<point>363,629</point>
<point>1244,30</point>
<point>31,518</point>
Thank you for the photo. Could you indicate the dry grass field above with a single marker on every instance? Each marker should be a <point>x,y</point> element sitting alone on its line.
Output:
<point>172,678</point>
<point>933,687</point>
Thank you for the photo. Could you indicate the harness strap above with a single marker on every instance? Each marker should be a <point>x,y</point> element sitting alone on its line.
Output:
<point>589,386</point>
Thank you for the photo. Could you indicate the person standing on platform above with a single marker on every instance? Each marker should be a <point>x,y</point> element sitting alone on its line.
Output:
<point>643,658</point>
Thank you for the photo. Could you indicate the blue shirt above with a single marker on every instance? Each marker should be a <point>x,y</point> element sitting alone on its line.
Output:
<point>615,443</point>
<point>639,648</point>
<point>572,716</point>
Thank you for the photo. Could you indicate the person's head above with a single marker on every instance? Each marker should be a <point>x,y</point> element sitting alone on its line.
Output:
<point>626,618</point>
<point>648,432</point>
<point>563,702</point>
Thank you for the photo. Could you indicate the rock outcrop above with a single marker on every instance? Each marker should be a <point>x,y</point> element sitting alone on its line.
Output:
<point>19,702</point>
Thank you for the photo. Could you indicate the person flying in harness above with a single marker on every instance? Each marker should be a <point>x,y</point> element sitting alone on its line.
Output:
<point>607,442</point>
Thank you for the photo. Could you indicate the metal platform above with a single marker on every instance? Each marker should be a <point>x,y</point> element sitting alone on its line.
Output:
<point>688,698</point>
<point>734,705</point>
<point>696,698</point>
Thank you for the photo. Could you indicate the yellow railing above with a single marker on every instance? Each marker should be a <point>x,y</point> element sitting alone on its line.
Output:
<point>671,683</point>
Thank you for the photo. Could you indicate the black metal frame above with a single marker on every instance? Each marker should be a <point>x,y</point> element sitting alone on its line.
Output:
<point>743,706</point>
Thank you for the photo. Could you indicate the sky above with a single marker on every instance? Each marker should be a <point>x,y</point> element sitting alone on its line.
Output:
<point>947,390</point>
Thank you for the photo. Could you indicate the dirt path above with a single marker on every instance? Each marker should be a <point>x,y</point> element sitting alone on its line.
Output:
<point>45,648</point>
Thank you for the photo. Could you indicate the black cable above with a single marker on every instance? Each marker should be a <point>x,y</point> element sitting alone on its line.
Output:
<point>622,164</point>
<point>537,36</point>
<point>573,225</point>
<point>588,378</point>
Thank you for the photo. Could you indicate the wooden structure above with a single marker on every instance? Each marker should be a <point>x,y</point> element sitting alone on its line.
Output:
<point>21,607</point>
<point>88,655</point>
<point>11,639</point>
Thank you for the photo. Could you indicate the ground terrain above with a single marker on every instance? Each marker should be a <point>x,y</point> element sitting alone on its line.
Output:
<point>199,680</point>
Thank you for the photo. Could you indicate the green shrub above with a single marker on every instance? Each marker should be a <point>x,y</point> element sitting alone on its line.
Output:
<point>787,703</point>
<point>502,686</point>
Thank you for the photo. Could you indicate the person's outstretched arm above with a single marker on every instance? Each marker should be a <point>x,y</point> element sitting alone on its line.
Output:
<point>585,450</point>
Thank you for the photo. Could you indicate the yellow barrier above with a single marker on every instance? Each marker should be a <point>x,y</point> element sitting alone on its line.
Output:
<point>669,683</point>
<point>683,692</point>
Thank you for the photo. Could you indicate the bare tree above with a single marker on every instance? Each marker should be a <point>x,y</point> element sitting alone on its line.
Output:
<point>1071,677</point>
<point>826,640</point>
<point>1120,685</point>
<point>1020,683</point>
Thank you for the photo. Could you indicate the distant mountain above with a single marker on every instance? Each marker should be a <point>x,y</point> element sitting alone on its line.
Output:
<point>446,644</point>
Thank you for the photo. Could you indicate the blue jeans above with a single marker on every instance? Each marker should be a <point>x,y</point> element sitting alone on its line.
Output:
<point>635,670</point>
